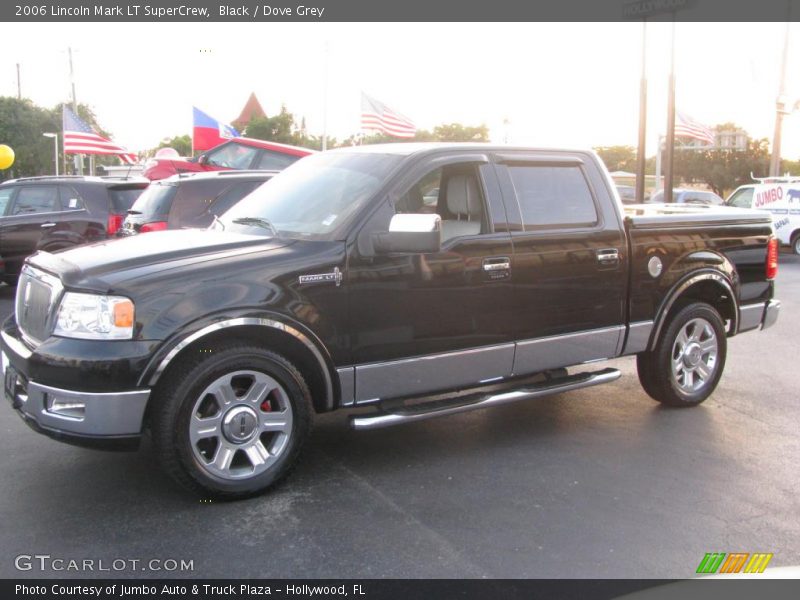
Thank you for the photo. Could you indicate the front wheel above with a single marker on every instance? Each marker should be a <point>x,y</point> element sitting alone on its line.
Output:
<point>687,363</point>
<point>796,244</point>
<point>230,423</point>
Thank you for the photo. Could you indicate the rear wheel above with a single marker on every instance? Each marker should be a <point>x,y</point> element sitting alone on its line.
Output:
<point>230,423</point>
<point>687,363</point>
<point>796,243</point>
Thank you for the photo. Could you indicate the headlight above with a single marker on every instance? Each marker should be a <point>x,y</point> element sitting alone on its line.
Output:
<point>94,317</point>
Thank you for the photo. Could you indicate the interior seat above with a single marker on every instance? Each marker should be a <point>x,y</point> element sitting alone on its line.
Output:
<point>464,203</point>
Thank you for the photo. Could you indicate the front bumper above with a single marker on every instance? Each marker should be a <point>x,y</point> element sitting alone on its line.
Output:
<point>100,419</point>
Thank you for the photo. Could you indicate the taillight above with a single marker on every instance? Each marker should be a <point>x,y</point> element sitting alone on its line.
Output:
<point>114,223</point>
<point>154,226</point>
<point>772,257</point>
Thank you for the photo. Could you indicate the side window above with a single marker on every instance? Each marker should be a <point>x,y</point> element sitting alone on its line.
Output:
<point>553,195</point>
<point>274,161</point>
<point>742,198</point>
<point>36,199</point>
<point>233,156</point>
<point>231,196</point>
<point>70,199</point>
<point>454,193</point>
<point>5,196</point>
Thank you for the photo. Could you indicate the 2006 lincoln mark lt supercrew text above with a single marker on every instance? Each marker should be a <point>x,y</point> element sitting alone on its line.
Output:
<point>374,276</point>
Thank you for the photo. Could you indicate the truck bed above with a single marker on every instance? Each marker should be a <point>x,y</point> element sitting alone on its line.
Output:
<point>658,216</point>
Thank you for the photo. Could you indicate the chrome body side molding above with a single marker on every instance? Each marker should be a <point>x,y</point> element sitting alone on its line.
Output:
<point>638,337</point>
<point>347,384</point>
<point>431,373</point>
<point>751,316</point>
<point>557,351</point>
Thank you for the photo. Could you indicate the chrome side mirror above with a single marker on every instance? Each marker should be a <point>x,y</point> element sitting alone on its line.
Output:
<point>410,233</point>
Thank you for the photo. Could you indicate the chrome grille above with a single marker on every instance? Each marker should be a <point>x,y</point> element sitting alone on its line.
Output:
<point>37,295</point>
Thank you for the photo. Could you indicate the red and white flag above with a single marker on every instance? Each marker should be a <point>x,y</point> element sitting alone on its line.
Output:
<point>377,116</point>
<point>685,126</point>
<point>80,138</point>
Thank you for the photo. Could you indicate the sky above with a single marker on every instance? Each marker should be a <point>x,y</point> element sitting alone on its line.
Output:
<point>560,85</point>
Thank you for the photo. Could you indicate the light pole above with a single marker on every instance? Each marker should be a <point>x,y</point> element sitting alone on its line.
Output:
<point>55,148</point>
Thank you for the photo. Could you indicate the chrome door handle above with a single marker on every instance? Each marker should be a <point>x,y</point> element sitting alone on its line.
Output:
<point>497,264</point>
<point>607,256</point>
<point>47,225</point>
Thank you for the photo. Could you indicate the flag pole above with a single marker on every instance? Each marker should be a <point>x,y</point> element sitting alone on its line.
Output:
<point>668,158</point>
<point>325,99</point>
<point>78,157</point>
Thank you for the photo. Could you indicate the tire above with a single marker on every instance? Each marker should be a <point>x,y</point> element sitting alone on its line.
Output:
<point>796,244</point>
<point>688,360</point>
<point>230,423</point>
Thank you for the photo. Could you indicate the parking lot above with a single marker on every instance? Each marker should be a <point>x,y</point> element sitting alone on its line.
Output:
<point>601,482</point>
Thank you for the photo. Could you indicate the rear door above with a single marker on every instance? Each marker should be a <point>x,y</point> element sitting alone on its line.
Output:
<point>31,211</point>
<point>569,260</point>
<point>422,322</point>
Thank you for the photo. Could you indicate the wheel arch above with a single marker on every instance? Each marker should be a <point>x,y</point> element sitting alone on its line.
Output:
<point>298,346</point>
<point>709,286</point>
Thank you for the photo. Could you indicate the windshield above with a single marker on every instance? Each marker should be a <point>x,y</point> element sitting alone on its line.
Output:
<point>155,201</point>
<point>313,198</point>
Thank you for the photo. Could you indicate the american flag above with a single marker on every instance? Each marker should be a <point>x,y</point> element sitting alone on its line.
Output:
<point>376,115</point>
<point>685,126</point>
<point>80,138</point>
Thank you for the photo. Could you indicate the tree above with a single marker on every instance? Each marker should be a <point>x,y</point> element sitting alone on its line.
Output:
<point>723,169</point>
<point>22,124</point>
<point>450,132</point>
<point>618,158</point>
<point>280,128</point>
<point>182,144</point>
<point>456,132</point>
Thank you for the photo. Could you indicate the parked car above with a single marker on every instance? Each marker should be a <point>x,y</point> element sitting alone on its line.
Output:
<point>627,193</point>
<point>330,288</point>
<point>684,196</point>
<point>53,213</point>
<point>190,200</point>
<point>239,153</point>
<point>778,196</point>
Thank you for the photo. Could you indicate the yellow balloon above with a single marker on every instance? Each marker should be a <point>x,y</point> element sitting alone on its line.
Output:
<point>6,156</point>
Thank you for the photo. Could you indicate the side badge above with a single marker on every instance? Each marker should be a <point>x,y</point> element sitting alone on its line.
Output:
<point>654,266</point>
<point>335,277</point>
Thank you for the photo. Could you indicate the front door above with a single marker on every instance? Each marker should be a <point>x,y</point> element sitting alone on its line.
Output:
<point>32,211</point>
<point>427,322</point>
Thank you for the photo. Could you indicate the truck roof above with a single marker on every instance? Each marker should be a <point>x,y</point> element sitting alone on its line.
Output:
<point>407,149</point>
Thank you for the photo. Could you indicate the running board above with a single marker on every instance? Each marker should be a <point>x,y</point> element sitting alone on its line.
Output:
<point>439,408</point>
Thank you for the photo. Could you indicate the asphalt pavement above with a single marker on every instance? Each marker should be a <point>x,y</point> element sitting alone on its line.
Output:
<point>601,482</point>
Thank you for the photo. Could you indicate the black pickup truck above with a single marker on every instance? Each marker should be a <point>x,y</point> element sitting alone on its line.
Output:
<point>418,280</point>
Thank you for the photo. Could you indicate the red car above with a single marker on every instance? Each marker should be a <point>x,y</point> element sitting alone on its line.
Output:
<point>239,153</point>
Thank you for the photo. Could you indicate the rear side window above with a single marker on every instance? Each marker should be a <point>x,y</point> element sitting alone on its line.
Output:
<point>553,195</point>
<point>231,196</point>
<point>70,199</point>
<point>5,196</point>
<point>742,198</point>
<point>154,203</point>
<point>274,161</point>
<point>34,199</point>
<point>123,198</point>
<point>193,199</point>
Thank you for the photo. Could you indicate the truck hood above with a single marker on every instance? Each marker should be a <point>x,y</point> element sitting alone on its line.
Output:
<point>98,266</point>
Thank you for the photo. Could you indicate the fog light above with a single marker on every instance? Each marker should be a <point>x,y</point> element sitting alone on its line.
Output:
<point>66,407</point>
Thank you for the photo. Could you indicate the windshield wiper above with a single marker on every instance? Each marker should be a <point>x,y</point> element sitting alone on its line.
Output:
<point>258,221</point>
<point>218,221</point>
